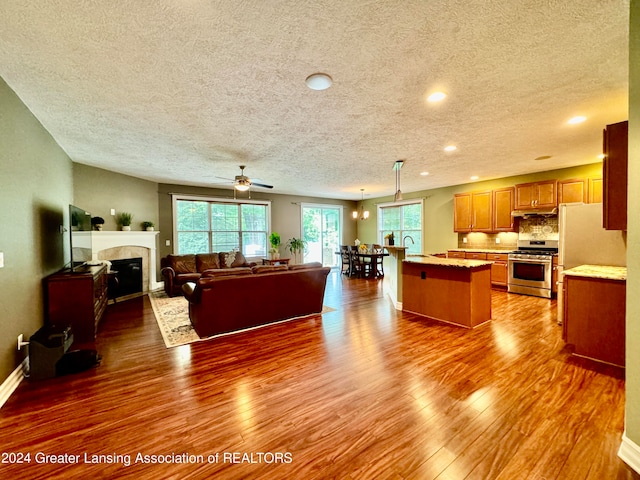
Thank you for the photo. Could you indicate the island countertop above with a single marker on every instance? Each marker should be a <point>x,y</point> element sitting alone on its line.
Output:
<point>446,262</point>
<point>606,272</point>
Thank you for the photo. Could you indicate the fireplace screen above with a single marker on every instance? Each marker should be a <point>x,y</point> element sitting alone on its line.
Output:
<point>129,275</point>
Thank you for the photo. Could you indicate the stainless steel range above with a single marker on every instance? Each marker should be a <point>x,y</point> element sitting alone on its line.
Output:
<point>531,267</point>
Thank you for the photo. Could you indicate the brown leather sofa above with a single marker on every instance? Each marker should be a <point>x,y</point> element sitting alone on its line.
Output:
<point>180,269</point>
<point>222,304</point>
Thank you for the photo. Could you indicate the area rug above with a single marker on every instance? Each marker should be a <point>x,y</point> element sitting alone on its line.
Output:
<point>172,315</point>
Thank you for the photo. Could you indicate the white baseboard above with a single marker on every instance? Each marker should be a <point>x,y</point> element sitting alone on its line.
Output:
<point>629,452</point>
<point>13,380</point>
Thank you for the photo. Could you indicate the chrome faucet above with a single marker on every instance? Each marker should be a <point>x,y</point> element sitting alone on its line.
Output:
<point>409,237</point>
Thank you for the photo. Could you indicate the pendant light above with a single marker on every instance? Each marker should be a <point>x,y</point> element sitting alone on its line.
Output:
<point>397,166</point>
<point>363,214</point>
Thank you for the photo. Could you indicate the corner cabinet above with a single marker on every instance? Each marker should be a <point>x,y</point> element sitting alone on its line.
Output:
<point>537,195</point>
<point>614,170</point>
<point>77,299</point>
<point>473,212</point>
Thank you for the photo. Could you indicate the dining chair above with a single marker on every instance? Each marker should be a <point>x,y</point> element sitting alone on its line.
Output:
<point>378,263</point>
<point>346,259</point>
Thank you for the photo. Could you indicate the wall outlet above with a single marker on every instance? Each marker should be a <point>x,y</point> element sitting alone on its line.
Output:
<point>167,243</point>
<point>464,239</point>
<point>497,240</point>
<point>113,211</point>
<point>20,341</point>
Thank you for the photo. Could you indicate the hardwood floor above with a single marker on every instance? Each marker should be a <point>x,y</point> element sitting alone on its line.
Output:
<point>361,392</point>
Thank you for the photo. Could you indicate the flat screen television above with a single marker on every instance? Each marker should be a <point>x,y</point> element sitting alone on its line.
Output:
<point>80,237</point>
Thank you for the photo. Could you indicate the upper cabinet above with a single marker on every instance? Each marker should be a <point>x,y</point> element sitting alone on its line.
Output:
<point>473,212</point>
<point>614,170</point>
<point>571,191</point>
<point>595,190</point>
<point>502,208</point>
<point>537,195</point>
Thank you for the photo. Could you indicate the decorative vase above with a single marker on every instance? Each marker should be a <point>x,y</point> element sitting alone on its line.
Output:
<point>126,228</point>
<point>149,229</point>
<point>99,227</point>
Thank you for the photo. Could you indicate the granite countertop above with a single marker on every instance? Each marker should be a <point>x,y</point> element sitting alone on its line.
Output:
<point>598,271</point>
<point>446,262</point>
<point>482,250</point>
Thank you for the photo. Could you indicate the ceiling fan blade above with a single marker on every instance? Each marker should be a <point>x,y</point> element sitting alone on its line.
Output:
<point>254,184</point>
<point>225,178</point>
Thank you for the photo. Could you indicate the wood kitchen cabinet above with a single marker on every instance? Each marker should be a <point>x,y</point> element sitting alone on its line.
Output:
<point>537,195</point>
<point>455,254</point>
<point>595,190</point>
<point>614,170</point>
<point>571,191</point>
<point>499,268</point>
<point>502,208</point>
<point>473,212</point>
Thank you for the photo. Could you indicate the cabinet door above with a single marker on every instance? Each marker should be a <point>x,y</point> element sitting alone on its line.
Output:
<point>547,194</point>
<point>499,273</point>
<point>462,212</point>
<point>525,195</point>
<point>482,211</point>
<point>502,208</point>
<point>614,169</point>
<point>595,190</point>
<point>571,191</point>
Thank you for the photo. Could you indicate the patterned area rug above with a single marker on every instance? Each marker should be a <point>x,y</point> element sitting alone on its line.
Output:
<point>172,315</point>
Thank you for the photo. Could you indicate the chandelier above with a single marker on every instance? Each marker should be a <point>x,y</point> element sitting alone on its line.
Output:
<point>362,213</point>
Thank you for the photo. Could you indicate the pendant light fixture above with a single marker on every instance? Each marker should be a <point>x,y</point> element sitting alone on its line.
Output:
<point>397,166</point>
<point>363,214</point>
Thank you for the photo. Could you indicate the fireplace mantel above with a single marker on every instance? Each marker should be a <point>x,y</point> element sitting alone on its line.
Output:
<point>103,240</point>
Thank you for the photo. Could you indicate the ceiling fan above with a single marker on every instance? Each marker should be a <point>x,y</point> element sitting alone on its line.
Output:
<point>242,183</point>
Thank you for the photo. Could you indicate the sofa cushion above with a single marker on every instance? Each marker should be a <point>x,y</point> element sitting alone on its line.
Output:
<point>258,269</point>
<point>223,272</point>
<point>206,261</point>
<point>182,263</point>
<point>305,265</point>
<point>186,277</point>
<point>232,259</point>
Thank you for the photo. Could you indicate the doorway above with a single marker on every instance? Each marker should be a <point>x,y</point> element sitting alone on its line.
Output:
<point>322,231</point>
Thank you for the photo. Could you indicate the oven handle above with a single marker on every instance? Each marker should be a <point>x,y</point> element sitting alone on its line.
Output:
<point>542,262</point>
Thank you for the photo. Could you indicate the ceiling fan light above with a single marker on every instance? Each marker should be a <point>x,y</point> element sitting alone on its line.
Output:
<point>242,187</point>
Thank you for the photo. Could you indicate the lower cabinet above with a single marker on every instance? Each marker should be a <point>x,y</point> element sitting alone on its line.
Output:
<point>499,269</point>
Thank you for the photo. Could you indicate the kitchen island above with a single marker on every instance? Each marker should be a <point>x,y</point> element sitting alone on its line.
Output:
<point>594,312</point>
<point>450,290</point>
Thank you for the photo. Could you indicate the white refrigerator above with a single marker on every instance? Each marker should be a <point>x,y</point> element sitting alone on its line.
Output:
<point>583,241</point>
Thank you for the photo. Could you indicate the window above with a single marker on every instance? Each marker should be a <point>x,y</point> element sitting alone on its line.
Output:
<point>403,219</point>
<point>219,225</point>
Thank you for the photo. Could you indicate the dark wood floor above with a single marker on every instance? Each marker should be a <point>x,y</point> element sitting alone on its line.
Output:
<point>362,392</point>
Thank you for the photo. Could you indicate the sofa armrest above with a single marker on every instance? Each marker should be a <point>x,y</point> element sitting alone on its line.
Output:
<point>191,292</point>
<point>168,272</point>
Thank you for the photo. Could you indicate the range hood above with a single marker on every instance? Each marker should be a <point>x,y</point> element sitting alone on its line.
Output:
<point>545,212</point>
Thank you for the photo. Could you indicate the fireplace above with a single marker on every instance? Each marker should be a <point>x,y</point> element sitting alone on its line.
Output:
<point>129,276</point>
<point>112,245</point>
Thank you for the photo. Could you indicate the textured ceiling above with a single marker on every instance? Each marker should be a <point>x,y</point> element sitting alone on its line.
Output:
<point>185,91</point>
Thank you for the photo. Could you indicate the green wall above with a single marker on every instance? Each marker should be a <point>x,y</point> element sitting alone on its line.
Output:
<point>35,189</point>
<point>632,423</point>
<point>98,191</point>
<point>438,205</point>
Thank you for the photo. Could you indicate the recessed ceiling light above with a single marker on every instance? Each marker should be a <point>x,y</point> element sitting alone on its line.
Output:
<point>424,174</point>
<point>543,157</point>
<point>450,148</point>
<point>436,97</point>
<point>578,119</point>
<point>474,177</point>
<point>319,81</point>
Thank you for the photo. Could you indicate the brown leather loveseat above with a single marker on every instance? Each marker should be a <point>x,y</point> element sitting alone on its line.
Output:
<point>180,269</point>
<point>221,304</point>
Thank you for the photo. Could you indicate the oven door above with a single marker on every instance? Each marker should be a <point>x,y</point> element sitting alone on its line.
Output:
<point>530,273</point>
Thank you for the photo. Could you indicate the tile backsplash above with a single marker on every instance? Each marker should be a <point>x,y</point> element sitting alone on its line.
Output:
<point>539,228</point>
<point>487,241</point>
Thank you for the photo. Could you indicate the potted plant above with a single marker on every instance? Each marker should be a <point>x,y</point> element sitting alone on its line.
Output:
<point>148,226</point>
<point>124,219</point>
<point>389,239</point>
<point>97,223</point>
<point>274,241</point>
<point>295,246</point>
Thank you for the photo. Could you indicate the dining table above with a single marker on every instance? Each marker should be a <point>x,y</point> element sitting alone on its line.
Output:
<point>373,258</point>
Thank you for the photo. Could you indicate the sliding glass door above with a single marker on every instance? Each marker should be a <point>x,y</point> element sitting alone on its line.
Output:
<point>322,231</point>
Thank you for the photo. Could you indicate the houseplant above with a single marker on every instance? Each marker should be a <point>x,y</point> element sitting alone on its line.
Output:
<point>97,222</point>
<point>274,240</point>
<point>124,219</point>
<point>295,246</point>
<point>148,226</point>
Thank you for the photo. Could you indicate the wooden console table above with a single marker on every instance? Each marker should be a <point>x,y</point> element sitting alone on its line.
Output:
<point>275,261</point>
